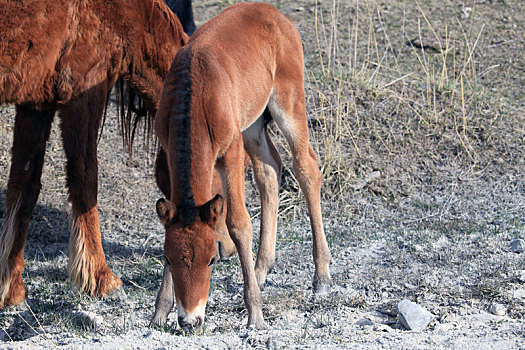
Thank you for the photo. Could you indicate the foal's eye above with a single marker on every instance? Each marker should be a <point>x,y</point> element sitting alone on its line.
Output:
<point>212,261</point>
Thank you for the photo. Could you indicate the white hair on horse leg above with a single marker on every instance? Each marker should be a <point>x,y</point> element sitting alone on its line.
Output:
<point>80,267</point>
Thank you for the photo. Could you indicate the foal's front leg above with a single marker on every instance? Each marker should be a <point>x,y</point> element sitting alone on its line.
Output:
<point>80,123</point>
<point>231,168</point>
<point>164,302</point>
<point>31,133</point>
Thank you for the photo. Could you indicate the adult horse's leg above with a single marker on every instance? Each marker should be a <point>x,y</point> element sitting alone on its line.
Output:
<point>80,121</point>
<point>267,171</point>
<point>231,168</point>
<point>287,108</point>
<point>31,133</point>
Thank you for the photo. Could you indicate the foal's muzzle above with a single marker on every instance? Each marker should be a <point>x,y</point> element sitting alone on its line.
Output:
<point>190,323</point>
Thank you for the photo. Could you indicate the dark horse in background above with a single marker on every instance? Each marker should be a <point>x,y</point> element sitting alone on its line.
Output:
<point>183,9</point>
<point>63,57</point>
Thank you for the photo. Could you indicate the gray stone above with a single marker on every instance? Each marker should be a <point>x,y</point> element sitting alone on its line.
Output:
<point>364,322</point>
<point>498,309</point>
<point>517,245</point>
<point>412,316</point>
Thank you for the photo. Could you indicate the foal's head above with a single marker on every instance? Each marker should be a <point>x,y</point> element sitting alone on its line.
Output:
<point>191,248</point>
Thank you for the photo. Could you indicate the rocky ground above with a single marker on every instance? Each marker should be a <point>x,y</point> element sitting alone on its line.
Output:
<point>423,199</point>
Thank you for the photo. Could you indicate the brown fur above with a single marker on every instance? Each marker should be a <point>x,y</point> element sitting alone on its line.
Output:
<point>238,70</point>
<point>65,56</point>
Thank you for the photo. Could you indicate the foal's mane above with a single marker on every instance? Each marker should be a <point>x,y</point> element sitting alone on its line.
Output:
<point>180,134</point>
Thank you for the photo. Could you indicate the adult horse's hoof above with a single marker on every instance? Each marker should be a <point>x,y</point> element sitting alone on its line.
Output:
<point>17,293</point>
<point>116,294</point>
<point>101,284</point>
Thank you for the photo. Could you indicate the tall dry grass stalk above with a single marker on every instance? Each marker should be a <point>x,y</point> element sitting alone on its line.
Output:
<point>431,79</point>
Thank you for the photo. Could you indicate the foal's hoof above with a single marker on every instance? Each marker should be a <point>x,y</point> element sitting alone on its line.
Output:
<point>226,250</point>
<point>322,286</point>
<point>259,325</point>
<point>158,320</point>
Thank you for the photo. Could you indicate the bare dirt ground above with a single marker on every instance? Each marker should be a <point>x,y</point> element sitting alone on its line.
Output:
<point>417,114</point>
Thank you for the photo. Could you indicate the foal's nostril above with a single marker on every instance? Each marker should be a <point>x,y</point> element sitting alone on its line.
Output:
<point>198,321</point>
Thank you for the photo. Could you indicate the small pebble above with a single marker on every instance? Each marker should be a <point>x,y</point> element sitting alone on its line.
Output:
<point>444,327</point>
<point>517,245</point>
<point>521,275</point>
<point>498,309</point>
<point>364,322</point>
<point>380,327</point>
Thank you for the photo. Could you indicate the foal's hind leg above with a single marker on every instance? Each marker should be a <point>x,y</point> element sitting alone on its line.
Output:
<point>29,145</point>
<point>287,109</point>
<point>267,171</point>
<point>80,123</point>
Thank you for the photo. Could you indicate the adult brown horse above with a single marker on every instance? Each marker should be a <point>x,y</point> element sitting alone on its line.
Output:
<point>64,56</point>
<point>240,69</point>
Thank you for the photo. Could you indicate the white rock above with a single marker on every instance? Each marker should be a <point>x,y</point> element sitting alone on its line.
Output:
<point>498,309</point>
<point>412,316</point>
<point>90,317</point>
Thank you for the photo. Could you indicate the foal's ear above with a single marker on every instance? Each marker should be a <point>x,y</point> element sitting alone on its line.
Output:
<point>166,211</point>
<point>211,212</point>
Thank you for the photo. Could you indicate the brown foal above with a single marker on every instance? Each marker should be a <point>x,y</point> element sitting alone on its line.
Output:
<point>240,69</point>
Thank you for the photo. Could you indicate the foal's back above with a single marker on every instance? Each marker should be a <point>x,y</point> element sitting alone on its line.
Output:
<point>237,59</point>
